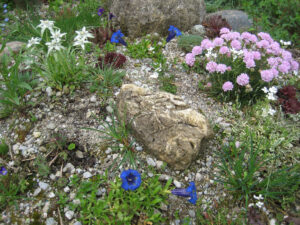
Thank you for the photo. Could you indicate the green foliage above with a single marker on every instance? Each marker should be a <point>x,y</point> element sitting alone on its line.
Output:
<point>145,48</point>
<point>105,79</point>
<point>64,68</point>
<point>187,42</point>
<point>4,148</point>
<point>14,85</point>
<point>280,18</point>
<point>42,166</point>
<point>118,206</point>
<point>71,146</point>
<point>11,189</point>
<point>241,174</point>
<point>168,84</point>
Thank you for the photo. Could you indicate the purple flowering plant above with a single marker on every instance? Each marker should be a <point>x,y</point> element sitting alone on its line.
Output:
<point>240,65</point>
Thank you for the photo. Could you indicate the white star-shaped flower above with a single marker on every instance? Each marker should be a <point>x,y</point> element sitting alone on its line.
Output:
<point>54,45</point>
<point>83,34</point>
<point>56,35</point>
<point>273,90</point>
<point>33,41</point>
<point>81,42</point>
<point>272,111</point>
<point>46,24</point>
<point>265,90</point>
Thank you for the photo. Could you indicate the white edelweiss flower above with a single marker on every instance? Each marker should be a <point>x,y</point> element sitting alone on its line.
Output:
<point>271,96</point>
<point>33,41</point>
<point>260,197</point>
<point>259,204</point>
<point>83,34</point>
<point>56,35</point>
<point>265,90</point>
<point>81,42</point>
<point>273,89</point>
<point>272,111</point>
<point>54,45</point>
<point>46,24</point>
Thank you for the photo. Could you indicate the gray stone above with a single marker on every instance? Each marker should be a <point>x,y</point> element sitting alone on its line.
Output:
<point>150,162</point>
<point>14,46</point>
<point>51,221</point>
<point>198,30</point>
<point>167,127</point>
<point>44,186</point>
<point>177,183</point>
<point>79,154</point>
<point>139,17</point>
<point>87,175</point>
<point>238,20</point>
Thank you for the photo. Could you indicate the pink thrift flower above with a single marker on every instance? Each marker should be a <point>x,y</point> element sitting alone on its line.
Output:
<point>242,79</point>
<point>218,41</point>
<point>227,86</point>
<point>284,67</point>
<point>224,30</point>
<point>266,75</point>
<point>224,50</point>
<point>262,44</point>
<point>190,59</point>
<point>294,65</point>
<point>197,50</point>
<point>253,38</point>
<point>249,63</point>
<point>256,55</point>
<point>211,67</point>
<point>237,144</point>
<point>275,72</point>
<point>246,36</point>
<point>236,45</point>
<point>206,44</point>
<point>286,55</point>
<point>265,36</point>
<point>229,68</point>
<point>208,85</point>
<point>221,68</point>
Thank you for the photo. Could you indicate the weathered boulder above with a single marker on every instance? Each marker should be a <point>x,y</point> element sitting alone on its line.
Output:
<point>14,46</point>
<point>238,20</point>
<point>140,17</point>
<point>164,124</point>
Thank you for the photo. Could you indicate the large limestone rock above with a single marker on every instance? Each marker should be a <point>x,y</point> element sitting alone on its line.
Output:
<point>164,124</point>
<point>237,19</point>
<point>14,46</point>
<point>140,17</point>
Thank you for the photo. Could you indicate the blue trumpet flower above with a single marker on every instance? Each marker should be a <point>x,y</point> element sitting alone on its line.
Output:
<point>131,179</point>
<point>111,16</point>
<point>173,32</point>
<point>117,38</point>
<point>4,6</point>
<point>100,11</point>
<point>3,171</point>
<point>190,191</point>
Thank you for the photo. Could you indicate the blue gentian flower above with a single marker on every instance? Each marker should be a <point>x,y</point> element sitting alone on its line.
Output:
<point>4,6</point>
<point>111,16</point>
<point>5,11</point>
<point>131,179</point>
<point>117,38</point>
<point>6,20</point>
<point>3,171</point>
<point>190,191</point>
<point>100,11</point>
<point>173,32</point>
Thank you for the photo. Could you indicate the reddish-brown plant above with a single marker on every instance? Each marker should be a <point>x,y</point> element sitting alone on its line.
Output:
<point>288,100</point>
<point>213,25</point>
<point>113,59</point>
<point>102,35</point>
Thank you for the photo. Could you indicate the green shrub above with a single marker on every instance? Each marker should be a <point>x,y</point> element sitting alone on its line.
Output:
<point>187,42</point>
<point>117,206</point>
<point>168,84</point>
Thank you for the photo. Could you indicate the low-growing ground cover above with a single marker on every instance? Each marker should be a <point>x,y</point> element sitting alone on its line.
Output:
<point>66,157</point>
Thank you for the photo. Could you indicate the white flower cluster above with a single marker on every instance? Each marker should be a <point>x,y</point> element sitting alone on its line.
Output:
<point>210,54</point>
<point>56,37</point>
<point>236,53</point>
<point>286,43</point>
<point>259,203</point>
<point>81,38</point>
<point>271,92</point>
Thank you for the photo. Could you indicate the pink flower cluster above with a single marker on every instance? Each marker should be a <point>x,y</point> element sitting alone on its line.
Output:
<point>252,50</point>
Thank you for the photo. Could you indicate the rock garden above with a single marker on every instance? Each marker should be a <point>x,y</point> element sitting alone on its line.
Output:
<point>149,112</point>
